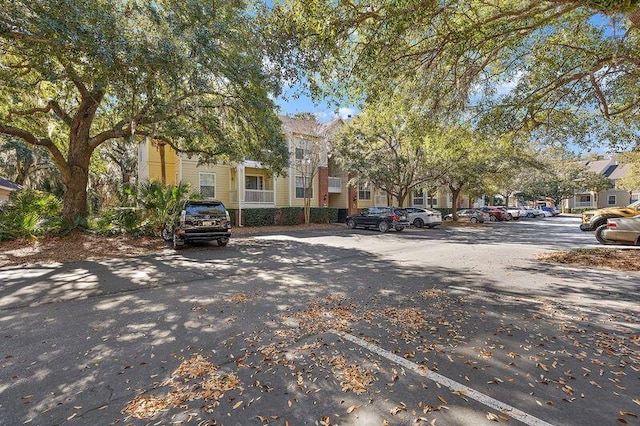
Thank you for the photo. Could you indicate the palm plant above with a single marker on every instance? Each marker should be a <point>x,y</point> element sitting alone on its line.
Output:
<point>161,203</point>
<point>30,214</point>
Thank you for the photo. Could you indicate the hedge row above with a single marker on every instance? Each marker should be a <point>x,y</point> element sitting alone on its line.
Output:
<point>284,216</point>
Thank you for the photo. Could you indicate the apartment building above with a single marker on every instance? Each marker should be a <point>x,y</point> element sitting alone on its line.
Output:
<point>615,196</point>
<point>250,184</point>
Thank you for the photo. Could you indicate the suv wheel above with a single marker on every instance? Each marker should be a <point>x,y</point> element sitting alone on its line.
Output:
<point>222,242</point>
<point>418,223</point>
<point>473,220</point>
<point>351,223</point>
<point>383,226</point>
<point>167,233</point>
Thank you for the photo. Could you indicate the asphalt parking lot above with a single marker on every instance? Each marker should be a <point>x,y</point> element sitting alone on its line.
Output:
<point>445,326</point>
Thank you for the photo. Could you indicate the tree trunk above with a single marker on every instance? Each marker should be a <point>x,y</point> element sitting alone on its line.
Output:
<point>74,210</point>
<point>76,169</point>
<point>163,163</point>
<point>454,202</point>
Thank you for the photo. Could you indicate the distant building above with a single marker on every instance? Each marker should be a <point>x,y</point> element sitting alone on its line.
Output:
<point>6,188</point>
<point>615,196</point>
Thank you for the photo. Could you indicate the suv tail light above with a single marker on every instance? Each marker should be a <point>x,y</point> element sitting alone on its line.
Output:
<point>394,217</point>
<point>612,225</point>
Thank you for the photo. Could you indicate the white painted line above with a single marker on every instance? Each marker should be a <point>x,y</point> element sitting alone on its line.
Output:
<point>445,381</point>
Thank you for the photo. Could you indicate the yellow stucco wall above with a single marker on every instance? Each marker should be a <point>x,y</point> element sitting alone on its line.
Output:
<point>154,164</point>
<point>224,184</point>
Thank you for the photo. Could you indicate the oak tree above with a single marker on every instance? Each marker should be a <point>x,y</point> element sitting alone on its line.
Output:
<point>77,75</point>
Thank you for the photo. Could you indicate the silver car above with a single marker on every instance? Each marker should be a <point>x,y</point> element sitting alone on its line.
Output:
<point>621,230</point>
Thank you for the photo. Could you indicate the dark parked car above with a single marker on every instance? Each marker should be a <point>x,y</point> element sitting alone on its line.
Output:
<point>200,221</point>
<point>381,218</point>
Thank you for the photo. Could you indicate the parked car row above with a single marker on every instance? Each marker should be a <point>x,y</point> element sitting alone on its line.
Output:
<point>386,218</point>
<point>499,213</point>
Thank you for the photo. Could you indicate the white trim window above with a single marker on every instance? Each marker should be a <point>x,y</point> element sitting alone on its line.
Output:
<point>301,185</point>
<point>418,197</point>
<point>255,182</point>
<point>432,200</point>
<point>207,184</point>
<point>364,191</point>
<point>612,200</point>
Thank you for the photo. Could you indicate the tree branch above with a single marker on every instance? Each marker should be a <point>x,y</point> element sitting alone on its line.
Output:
<point>30,138</point>
<point>51,106</point>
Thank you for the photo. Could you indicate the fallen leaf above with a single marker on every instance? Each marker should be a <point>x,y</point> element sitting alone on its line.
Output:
<point>237,404</point>
<point>493,417</point>
<point>628,413</point>
<point>352,408</point>
<point>444,401</point>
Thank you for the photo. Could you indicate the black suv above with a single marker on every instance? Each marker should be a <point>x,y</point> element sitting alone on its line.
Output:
<point>202,221</point>
<point>381,218</point>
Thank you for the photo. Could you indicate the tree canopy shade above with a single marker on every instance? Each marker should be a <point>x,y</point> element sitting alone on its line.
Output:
<point>383,146</point>
<point>567,69</point>
<point>75,75</point>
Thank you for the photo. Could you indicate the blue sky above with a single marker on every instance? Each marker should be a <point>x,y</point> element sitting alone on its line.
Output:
<point>293,102</point>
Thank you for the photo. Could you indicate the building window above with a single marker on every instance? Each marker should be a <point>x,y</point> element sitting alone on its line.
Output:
<point>418,197</point>
<point>300,187</point>
<point>208,185</point>
<point>254,182</point>
<point>584,198</point>
<point>432,200</point>
<point>364,191</point>
<point>612,200</point>
<point>635,197</point>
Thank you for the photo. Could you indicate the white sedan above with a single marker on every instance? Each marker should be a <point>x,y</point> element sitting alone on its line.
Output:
<point>420,217</point>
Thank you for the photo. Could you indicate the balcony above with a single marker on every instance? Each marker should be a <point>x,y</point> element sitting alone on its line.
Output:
<point>583,204</point>
<point>335,185</point>
<point>256,196</point>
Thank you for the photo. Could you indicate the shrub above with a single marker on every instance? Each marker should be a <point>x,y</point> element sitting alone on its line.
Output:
<point>288,216</point>
<point>258,217</point>
<point>324,215</point>
<point>161,203</point>
<point>123,220</point>
<point>30,214</point>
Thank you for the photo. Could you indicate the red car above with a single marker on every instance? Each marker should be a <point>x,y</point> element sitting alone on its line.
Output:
<point>495,213</point>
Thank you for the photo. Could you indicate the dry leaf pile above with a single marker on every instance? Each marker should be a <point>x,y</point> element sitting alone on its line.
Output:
<point>195,378</point>
<point>626,260</point>
<point>502,342</point>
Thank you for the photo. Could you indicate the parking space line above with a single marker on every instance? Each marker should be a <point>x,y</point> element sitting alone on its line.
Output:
<point>445,381</point>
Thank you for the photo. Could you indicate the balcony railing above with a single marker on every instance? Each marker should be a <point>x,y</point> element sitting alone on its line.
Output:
<point>583,204</point>
<point>335,185</point>
<point>258,196</point>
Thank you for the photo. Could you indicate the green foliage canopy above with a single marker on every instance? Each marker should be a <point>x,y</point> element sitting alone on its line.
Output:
<point>74,75</point>
<point>561,69</point>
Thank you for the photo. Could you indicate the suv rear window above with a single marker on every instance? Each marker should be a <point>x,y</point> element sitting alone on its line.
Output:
<point>201,209</point>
